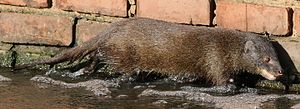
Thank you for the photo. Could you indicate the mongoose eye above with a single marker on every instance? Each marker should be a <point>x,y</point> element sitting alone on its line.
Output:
<point>267,60</point>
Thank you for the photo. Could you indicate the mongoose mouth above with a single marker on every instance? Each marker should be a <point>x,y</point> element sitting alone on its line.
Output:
<point>270,75</point>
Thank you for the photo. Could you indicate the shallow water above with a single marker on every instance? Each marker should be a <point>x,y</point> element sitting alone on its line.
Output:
<point>22,93</point>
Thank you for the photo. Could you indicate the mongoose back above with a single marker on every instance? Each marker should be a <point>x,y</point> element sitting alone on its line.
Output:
<point>141,44</point>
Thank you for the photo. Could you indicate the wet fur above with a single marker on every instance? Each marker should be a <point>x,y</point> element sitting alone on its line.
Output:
<point>141,44</point>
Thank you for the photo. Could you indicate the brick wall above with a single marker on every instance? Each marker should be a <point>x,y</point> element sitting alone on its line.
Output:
<point>55,24</point>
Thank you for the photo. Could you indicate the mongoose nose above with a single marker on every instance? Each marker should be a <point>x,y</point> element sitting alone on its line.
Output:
<point>279,73</point>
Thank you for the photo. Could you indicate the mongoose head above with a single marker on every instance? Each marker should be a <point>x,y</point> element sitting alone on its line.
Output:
<point>261,55</point>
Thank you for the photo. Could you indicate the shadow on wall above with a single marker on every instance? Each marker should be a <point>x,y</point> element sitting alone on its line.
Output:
<point>287,64</point>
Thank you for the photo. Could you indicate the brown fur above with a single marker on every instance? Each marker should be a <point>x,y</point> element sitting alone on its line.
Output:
<point>142,44</point>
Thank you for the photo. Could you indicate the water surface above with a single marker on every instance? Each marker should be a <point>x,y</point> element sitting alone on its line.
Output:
<point>22,93</point>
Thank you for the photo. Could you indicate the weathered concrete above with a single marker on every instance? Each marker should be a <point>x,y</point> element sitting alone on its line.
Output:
<point>30,53</point>
<point>4,79</point>
<point>239,101</point>
<point>98,87</point>
<point>297,106</point>
<point>5,57</point>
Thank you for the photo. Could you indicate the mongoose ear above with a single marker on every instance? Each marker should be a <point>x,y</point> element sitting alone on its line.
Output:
<point>249,47</point>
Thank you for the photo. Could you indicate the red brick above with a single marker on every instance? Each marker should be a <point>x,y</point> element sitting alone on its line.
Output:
<point>89,29</point>
<point>181,11</point>
<point>296,20</point>
<point>274,20</point>
<point>30,3</point>
<point>253,18</point>
<point>105,7</point>
<point>35,29</point>
<point>231,15</point>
